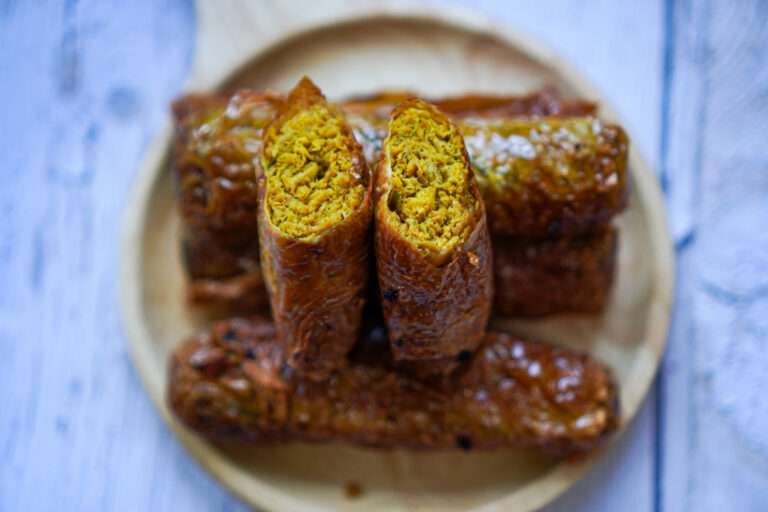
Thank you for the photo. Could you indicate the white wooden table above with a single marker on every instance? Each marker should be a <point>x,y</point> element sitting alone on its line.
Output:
<point>84,86</point>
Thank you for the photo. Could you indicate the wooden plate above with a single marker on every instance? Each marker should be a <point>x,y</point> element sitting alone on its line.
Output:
<point>357,48</point>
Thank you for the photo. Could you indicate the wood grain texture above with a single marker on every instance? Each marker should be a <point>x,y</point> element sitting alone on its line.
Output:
<point>86,85</point>
<point>715,420</point>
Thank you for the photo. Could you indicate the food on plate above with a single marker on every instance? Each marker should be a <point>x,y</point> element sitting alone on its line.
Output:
<point>561,174</point>
<point>545,167</point>
<point>537,277</point>
<point>315,210</point>
<point>230,383</point>
<point>280,203</point>
<point>433,251</point>
<point>548,177</point>
<point>213,178</point>
<point>368,114</point>
<point>537,104</point>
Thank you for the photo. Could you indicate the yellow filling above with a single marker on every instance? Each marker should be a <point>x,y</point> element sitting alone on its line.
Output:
<point>313,174</point>
<point>430,199</point>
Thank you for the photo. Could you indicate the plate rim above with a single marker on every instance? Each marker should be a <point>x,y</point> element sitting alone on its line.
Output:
<point>130,271</point>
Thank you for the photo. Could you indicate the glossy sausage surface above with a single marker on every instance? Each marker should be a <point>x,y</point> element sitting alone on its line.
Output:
<point>433,311</point>
<point>230,383</point>
<point>535,277</point>
<point>317,287</point>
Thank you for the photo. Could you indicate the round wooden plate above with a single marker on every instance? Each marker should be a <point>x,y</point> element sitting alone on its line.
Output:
<point>358,48</point>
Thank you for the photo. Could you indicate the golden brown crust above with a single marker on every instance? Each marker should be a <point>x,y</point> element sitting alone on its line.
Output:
<point>213,158</point>
<point>535,277</point>
<point>217,200</point>
<point>539,104</point>
<point>215,188</point>
<point>317,288</point>
<point>563,189</point>
<point>527,196</point>
<point>514,393</point>
<point>432,311</point>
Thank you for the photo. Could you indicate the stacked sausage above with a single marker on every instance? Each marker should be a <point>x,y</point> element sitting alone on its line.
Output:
<point>552,176</point>
<point>376,231</point>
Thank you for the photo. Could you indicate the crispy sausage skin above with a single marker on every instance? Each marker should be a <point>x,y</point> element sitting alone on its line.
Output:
<point>563,173</point>
<point>215,188</point>
<point>315,220</point>
<point>543,103</point>
<point>368,114</point>
<point>538,277</point>
<point>548,177</point>
<point>433,251</point>
<point>230,383</point>
<point>537,104</point>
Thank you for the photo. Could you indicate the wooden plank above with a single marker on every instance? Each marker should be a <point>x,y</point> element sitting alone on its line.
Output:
<point>89,84</point>
<point>681,153</point>
<point>715,436</point>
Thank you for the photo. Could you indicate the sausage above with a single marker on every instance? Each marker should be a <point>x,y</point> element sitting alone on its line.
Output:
<point>315,218</point>
<point>538,277</point>
<point>230,383</point>
<point>540,177</point>
<point>215,189</point>
<point>217,202</point>
<point>433,251</point>
<point>548,177</point>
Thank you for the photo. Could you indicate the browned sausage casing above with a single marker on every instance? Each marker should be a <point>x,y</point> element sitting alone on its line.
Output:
<point>368,114</point>
<point>535,277</point>
<point>215,188</point>
<point>514,393</point>
<point>548,177</point>
<point>434,309</point>
<point>544,103</point>
<point>538,104</point>
<point>560,175</point>
<point>316,282</point>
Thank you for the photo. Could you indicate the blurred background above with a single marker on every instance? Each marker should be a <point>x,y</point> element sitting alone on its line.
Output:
<point>86,84</point>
